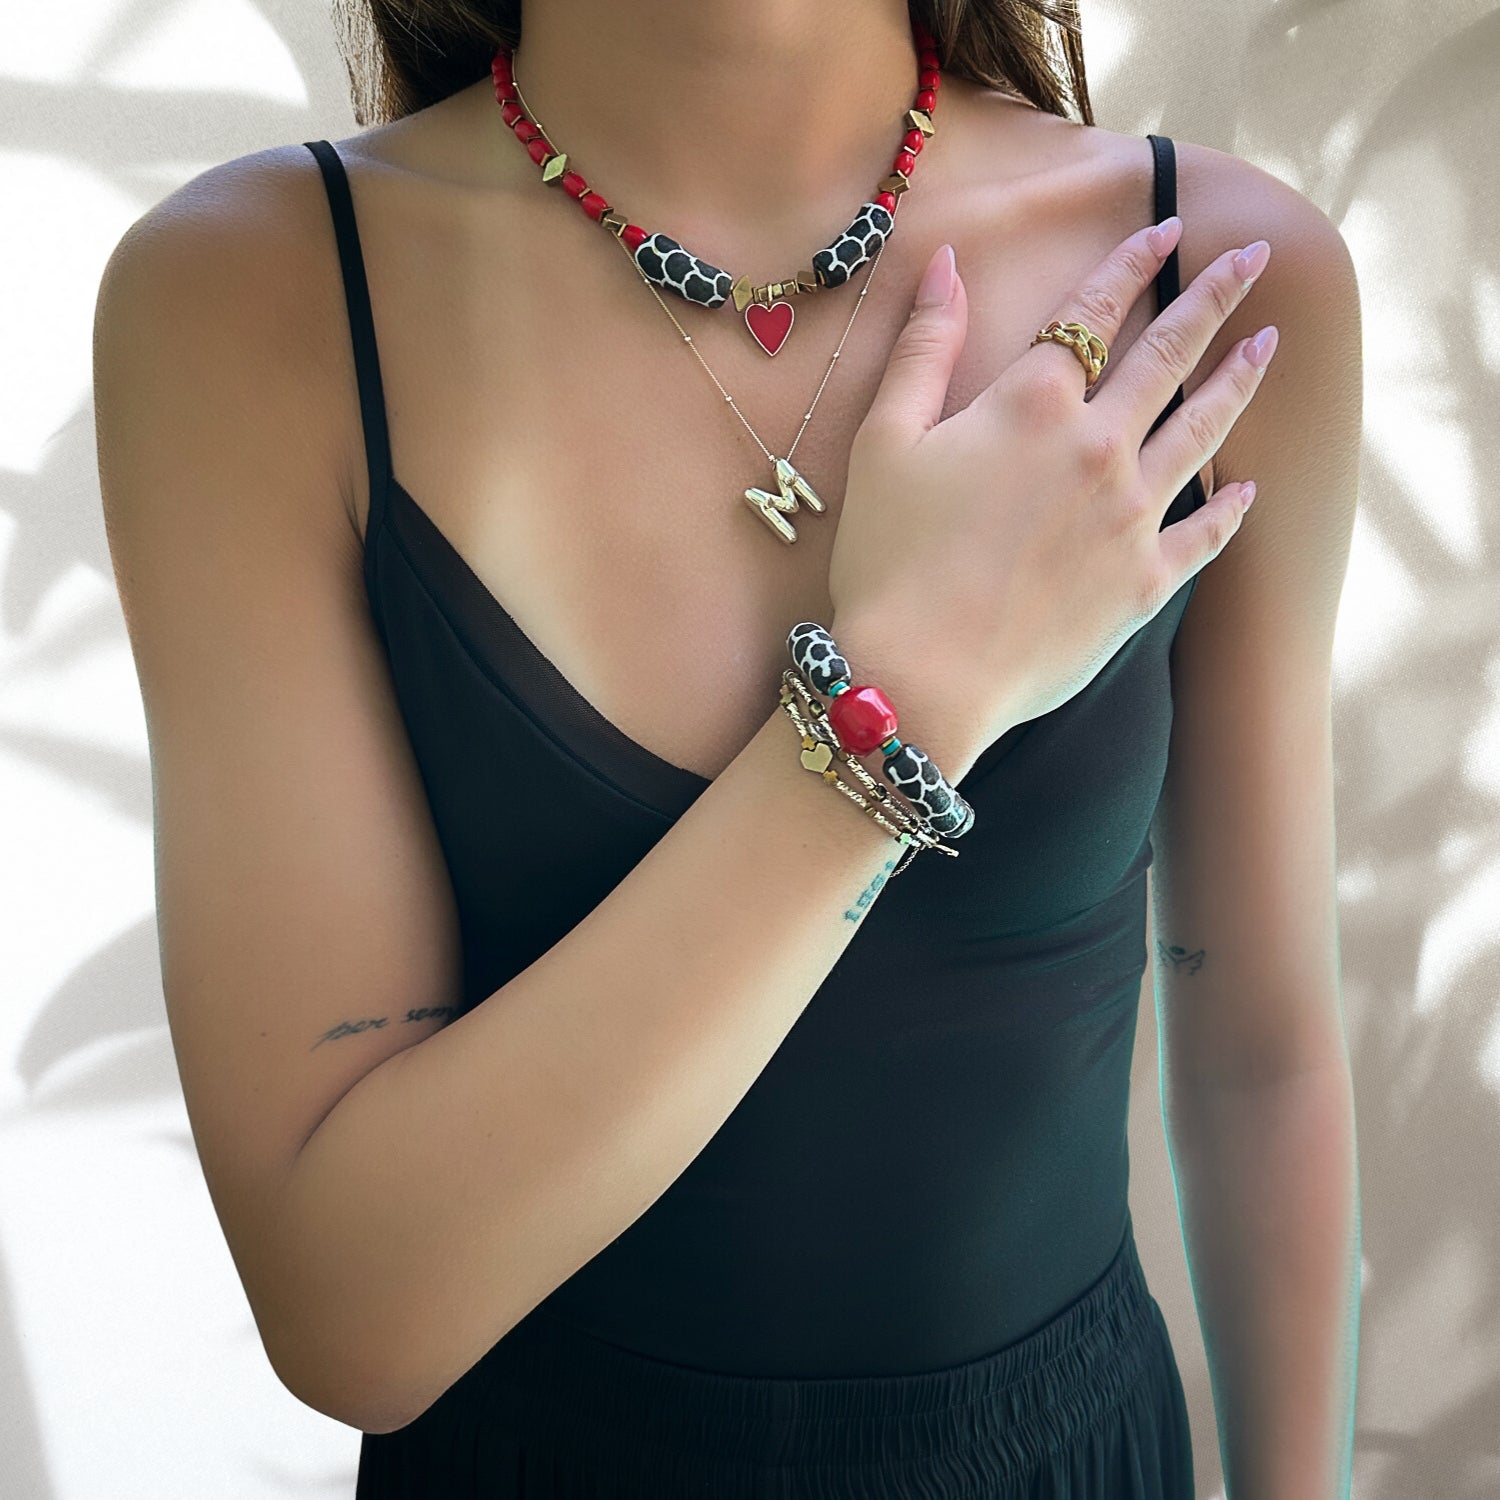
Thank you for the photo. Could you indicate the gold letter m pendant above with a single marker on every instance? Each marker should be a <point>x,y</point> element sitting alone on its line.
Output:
<point>793,487</point>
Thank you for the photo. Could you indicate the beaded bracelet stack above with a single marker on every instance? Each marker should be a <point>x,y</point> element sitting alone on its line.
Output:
<point>859,720</point>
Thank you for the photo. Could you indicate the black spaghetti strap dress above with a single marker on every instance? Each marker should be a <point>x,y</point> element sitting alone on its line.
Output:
<point>904,1266</point>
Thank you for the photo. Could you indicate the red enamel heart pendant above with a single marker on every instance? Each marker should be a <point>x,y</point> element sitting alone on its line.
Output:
<point>769,326</point>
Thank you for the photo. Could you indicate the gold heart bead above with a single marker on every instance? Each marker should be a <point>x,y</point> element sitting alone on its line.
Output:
<point>818,757</point>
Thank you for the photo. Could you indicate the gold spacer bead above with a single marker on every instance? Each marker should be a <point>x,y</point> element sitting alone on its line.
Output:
<point>921,120</point>
<point>612,221</point>
<point>807,281</point>
<point>742,292</point>
<point>895,183</point>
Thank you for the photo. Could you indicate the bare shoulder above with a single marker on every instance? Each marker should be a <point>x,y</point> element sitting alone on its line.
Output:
<point>252,227</point>
<point>1299,437</point>
<point>1238,198</point>
<point>230,284</point>
<point>1308,289</point>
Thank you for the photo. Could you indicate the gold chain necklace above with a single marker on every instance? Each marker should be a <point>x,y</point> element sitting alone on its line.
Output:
<point>791,487</point>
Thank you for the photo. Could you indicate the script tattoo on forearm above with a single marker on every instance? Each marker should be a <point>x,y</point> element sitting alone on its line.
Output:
<point>866,896</point>
<point>1179,959</point>
<point>374,1023</point>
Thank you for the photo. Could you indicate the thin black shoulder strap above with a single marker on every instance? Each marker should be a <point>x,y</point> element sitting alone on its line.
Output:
<point>361,327</point>
<point>1165,158</point>
<point>1166,205</point>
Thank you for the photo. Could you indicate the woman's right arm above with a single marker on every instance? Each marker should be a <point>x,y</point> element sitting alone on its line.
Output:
<point>397,1192</point>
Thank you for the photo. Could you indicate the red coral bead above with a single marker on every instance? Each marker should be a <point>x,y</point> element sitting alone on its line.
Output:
<point>913,141</point>
<point>863,717</point>
<point>904,162</point>
<point>887,201</point>
<point>593,205</point>
<point>538,150</point>
<point>574,185</point>
<point>634,235</point>
<point>524,130</point>
<point>510,113</point>
<point>923,37</point>
<point>930,78</point>
<point>927,58</point>
<point>926,99</point>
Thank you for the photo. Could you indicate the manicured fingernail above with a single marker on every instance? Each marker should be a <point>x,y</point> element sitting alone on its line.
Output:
<point>936,286</point>
<point>1251,261</point>
<point>1260,349</point>
<point>1164,235</point>
<point>1247,492</point>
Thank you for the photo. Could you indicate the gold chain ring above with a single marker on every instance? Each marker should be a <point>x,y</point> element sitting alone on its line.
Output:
<point>1092,353</point>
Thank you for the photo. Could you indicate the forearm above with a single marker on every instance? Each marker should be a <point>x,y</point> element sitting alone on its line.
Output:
<point>1268,1197</point>
<point>464,1179</point>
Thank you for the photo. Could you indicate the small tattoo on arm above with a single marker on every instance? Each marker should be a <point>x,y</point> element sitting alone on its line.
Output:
<point>866,896</point>
<point>374,1023</point>
<point>349,1028</point>
<point>427,1012</point>
<point>1179,958</point>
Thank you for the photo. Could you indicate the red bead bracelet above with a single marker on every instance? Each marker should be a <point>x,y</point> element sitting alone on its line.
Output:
<point>863,716</point>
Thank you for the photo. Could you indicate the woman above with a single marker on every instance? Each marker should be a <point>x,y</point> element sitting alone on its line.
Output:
<point>588,1108</point>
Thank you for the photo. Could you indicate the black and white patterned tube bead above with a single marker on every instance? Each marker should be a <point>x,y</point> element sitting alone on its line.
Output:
<point>908,768</point>
<point>815,656</point>
<point>914,775</point>
<point>665,263</point>
<point>854,247</point>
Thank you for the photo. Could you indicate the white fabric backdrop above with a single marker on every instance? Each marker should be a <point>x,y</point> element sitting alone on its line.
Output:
<point>130,1368</point>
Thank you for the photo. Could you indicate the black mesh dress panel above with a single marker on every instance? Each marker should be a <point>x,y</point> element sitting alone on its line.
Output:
<point>933,1165</point>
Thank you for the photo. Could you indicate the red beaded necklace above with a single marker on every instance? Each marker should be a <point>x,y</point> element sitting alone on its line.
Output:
<point>665,263</point>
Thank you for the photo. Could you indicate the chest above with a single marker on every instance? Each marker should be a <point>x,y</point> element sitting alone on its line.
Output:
<point>551,420</point>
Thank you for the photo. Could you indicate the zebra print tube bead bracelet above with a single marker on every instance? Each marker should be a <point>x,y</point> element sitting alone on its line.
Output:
<point>822,753</point>
<point>866,720</point>
<point>816,730</point>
